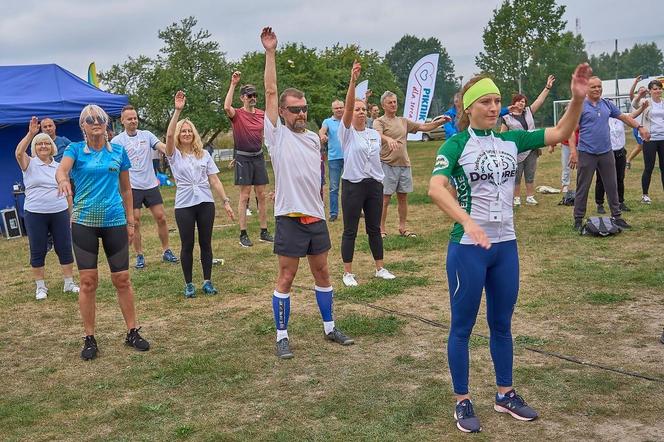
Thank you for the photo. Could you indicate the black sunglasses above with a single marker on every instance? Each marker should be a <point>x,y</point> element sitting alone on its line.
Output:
<point>250,95</point>
<point>297,109</point>
<point>91,120</point>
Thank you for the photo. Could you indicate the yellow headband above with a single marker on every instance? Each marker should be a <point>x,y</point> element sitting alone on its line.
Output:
<point>483,87</point>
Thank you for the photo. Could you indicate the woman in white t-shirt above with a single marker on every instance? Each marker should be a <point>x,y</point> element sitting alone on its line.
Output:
<point>653,121</point>
<point>362,182</point>
<point>195,175</point>
<point>46,212</point>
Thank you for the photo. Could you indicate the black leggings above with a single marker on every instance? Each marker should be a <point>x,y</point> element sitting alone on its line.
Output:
<point>650,150</point>
<point>201,215</point>
<point>86,246</point>
<point>621,161</point>
<point>366,195</point>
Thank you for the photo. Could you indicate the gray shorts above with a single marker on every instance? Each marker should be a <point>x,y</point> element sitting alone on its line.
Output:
<point>528,167</point>
<point>397,179</point>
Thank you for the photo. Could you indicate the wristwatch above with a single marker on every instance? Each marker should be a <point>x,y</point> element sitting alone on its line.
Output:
<point>227,200</point>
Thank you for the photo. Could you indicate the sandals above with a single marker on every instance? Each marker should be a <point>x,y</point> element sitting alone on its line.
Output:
<point>407,234</point>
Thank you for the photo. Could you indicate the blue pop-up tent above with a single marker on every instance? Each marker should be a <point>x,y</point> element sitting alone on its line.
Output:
<point>44,90</point>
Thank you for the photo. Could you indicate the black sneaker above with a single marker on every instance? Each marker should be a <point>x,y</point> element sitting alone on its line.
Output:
<point>135,340</point>
<point>623,208</point>
<point>337,336</point>
<point>283,349</point>
<point>245,241</point>
<point>266,237</point>
<point>333,218</point>
<point>514,404</point>
<point>89,348</point>
<point>600,209</point>
<point>466,420</point>
<point>628,165</point>
<point>578,224</point>
<point>621,223</point>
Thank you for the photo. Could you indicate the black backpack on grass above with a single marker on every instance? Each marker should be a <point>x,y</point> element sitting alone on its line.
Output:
<point>600,226</point>
<point>568,198</point>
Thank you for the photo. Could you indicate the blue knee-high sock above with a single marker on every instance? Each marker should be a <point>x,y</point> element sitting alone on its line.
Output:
<point>324,296</point>
<point>281,310</point>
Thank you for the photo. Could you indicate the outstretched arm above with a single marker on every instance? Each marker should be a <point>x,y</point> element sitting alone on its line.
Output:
<point>228,102</point>
<point>633,88</point>
<point>350,94</point>
<point>570,119</point>
<point>269,40</point>
<point>539,101</point>
<point>431,125</point>
<point>180,101</point>
<point>21,156</point>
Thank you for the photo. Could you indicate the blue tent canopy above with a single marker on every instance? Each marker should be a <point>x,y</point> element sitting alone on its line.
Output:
<point>44,90</point>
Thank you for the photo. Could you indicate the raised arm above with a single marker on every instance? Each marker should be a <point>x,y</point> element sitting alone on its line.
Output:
<point>228,102</point>
<point>570,119</point>
<point>636,112</point>
<point>180,101</point>
<point>21,156</point>
<point>350,94</point>
<point>633,88</point>
<point>539,101</point>
<point>636,101</point>
<point>431,125</point>
<point>269,40</point>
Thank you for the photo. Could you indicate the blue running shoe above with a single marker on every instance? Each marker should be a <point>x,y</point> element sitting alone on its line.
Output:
<point>189,290</point>
<point>169,256</point>
<point>514,404</point>
<point>466,420</point>
<point>208,288</point>
<point>140,262</point>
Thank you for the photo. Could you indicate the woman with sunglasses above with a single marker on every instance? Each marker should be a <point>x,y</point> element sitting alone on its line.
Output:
<point>46,212</point>
<point>482,252</point>
<point>362,182</point>
<point>195,176</point>
<point>653,121</point>
<point>102,209</point>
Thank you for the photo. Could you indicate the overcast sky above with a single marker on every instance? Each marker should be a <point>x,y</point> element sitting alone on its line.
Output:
<point>72,33</point>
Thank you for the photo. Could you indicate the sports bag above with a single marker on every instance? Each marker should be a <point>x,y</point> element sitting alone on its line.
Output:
<point>600,226</point>
<point>568,198</point>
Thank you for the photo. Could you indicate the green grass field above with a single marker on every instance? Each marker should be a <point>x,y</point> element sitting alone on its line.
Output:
<point>212,375</point>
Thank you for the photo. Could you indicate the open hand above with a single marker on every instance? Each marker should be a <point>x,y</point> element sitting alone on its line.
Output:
<point>549,81</point>
<point>268,39</point>
<point>579,83</point>
<point>476,233</point>
<point>229,211</point>
<point>33,128</point>
<point>180,100</point>
<point>392,144</point>
<point>355,71</point>
<point>573,159</point>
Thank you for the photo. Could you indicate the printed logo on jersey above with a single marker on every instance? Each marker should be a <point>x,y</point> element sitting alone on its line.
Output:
<point>486,167</point>
<point>441,163</point>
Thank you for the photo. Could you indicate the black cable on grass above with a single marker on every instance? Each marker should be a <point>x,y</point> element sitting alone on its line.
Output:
<point>532,349</point>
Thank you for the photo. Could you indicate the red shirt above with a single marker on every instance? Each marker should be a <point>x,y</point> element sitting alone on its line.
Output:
<point>248,130</point>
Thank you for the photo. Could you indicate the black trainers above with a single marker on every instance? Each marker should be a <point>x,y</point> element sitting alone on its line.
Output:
<point>621,223</point>
<point>135,340</point>
<point>623,207</point>
<point>89,348</point>
<point>466,420</point>
<point>337,336</point>
<point>245,241</point>
<point>578,224</point>
<point>266,237</point>
<point>283,349</point>
<point>601,210</point>
<point>514,404</point>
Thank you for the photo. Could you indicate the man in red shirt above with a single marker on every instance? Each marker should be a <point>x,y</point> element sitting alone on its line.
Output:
<point>250,169</point>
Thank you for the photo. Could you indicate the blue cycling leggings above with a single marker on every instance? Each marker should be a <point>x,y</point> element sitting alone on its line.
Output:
<point>470,269</point>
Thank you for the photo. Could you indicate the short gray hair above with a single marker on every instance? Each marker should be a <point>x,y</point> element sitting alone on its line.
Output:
<point>386,95</point>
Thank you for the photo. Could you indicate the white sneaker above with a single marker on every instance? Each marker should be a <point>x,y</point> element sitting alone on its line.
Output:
<point>73,288</point>
<point>41,293</point>
<point>383,273</point>
<point>517,200</point>
<point>249,212</point>
<point>349,280</point>
<point>645,199</point>
<point>531,201</point>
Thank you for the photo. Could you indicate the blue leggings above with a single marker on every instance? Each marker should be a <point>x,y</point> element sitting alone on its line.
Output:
<point>39,225</point>
<point>470,269</point>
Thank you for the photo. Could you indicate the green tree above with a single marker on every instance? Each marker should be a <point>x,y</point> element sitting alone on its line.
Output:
<point>641,59</point>
<point>190,61</point>
<point>516,31</point>
<point>407,51</point>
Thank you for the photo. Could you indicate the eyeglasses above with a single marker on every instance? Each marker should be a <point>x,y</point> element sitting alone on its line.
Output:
<point>91,120</point>
<point>250,95</point>
<point>297,109</point>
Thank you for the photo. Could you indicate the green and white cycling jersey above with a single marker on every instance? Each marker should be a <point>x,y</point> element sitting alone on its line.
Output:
<point>482,166</point>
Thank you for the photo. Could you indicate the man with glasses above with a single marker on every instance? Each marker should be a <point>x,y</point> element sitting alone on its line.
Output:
<point>300,228</point>
<point>335,155</point>
<point>139,145</point>
<point>250,169</point>
<point>48,127</point>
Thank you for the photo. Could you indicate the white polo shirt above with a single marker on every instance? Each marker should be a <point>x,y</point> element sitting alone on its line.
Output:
<point>41,189</point>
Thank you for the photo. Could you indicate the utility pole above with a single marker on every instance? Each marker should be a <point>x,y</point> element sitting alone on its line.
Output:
<point>616,59</point>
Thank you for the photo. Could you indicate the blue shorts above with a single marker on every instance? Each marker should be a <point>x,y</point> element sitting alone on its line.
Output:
<point>639,141</point>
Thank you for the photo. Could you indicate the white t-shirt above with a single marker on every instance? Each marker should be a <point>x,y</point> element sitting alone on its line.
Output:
<point>296,162</point>
<point>617,133</point>
<point>191,178</point>
<point>139,149</point>
<point>656,120</point>
<point>361,154</point>
<point>41,189</point>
